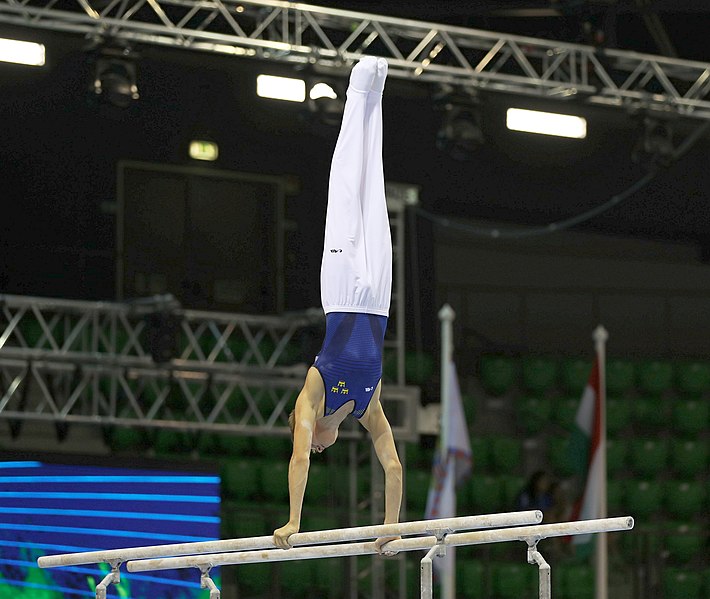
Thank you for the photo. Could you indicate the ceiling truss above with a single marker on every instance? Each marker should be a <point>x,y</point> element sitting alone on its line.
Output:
<point>416,50</point>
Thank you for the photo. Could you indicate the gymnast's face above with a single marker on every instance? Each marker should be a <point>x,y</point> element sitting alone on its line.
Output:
<point>322,438</point>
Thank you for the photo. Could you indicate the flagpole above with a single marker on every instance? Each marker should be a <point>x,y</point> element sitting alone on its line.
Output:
<point>446,317</point>
<point>600,337</point>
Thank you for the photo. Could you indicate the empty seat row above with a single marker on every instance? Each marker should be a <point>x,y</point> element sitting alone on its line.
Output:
<point>684,417</point>
<point>644,499</point>
<point>501,374</point>
<point>642,457</point>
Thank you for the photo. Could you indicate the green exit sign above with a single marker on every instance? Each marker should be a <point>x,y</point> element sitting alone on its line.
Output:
<point>204,150</point>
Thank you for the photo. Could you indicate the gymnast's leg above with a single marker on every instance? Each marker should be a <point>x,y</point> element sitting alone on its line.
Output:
<point>345,281</point>
<point>378,240</point>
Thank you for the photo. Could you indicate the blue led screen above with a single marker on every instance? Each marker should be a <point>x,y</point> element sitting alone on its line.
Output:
<point>47,509</point>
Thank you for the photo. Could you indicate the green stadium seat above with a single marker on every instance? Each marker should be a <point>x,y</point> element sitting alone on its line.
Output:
<point>651,411</point>
<point>689,458</point>
<point>417,483</point>
<point>122,439</point>
<point>228,520</point>
<point>655,376</point>
<point>578,582</point>
<point>506,454</point>
<point>486,494</point>
<point>615,497</point>
<point>575,375</point>
<point>682,584</point>
<point>618,415</point>
<point>239,479</point>
<point>565,412</point>
<point>683,499</point>
<point>418,368</point>
<point>481,451</point>
<point>498,374</point>
<point>511,487</point>
<point>170,443</point>
<point>559,456</point>
<point>320,521</point>
<point>470,578</point>
<point>254,580</point>
<point>691,417</point>
<point>208,444</point>
<point>649,456</point>
<point>330,575</point>
<point>513,581</point>
<point>236,445</point>
<point>319,482</point>
<point>296,577</point>
<point>643,498</point>
<point>469,404</point>
<point>645,539</point>
<point>616,454</point>
<point>273,479</point>
<point>539,374</point>
<point>684,541</point>
<point>706,582</point>
<point>419,456</point>
<point>534,414</point>
<point>273,447</point>
<point>693,378</point>
<point>248,521</point>
<point>620,376</point>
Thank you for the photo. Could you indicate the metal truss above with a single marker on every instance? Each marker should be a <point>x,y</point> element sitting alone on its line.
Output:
<point>185,400</point>
<point>416,50</point>
<point>132,333</point>
<point>95,363</point>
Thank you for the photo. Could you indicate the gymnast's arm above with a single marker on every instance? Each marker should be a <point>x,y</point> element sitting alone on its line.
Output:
<point>304,425</point>
<point>375,421</point>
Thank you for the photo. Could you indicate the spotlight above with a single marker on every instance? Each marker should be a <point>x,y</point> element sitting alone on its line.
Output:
<point>460,134</point>
<point>325,103</point>
<point>655,144</point>
<point>115,75</point>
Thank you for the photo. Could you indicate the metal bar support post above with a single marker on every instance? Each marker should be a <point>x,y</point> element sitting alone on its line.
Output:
<point>535,557</point>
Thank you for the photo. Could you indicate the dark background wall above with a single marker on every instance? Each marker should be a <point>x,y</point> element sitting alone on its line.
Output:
<point>59,155</point>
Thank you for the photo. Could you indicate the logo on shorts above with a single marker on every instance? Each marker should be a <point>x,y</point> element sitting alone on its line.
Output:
<point>335,251</point>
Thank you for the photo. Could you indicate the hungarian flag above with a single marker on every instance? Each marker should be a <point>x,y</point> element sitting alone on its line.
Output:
<point>588,451</point>
<point>450,468</point>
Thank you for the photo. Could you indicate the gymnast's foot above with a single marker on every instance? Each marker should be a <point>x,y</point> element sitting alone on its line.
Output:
<point>363,74</point>
<point>378,83</point>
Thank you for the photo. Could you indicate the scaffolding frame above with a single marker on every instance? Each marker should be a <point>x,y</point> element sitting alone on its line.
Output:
<point>416,50</point>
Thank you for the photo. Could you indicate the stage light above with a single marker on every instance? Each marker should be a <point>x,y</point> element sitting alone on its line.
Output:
<point>115,75</point>
<point>19,52</point>
<point>546,123</point>
<point>460,134</point>
<point>204,150</point>
<point>655,143</point>
<point>322,90</point>
<point>281,88</point>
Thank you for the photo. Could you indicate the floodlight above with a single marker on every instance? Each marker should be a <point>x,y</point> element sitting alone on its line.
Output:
<point>546,123</point>
<point>281,88</point>
<point>19,52</point>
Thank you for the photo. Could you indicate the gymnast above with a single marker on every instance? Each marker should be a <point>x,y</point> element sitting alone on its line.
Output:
<point>356,283</point>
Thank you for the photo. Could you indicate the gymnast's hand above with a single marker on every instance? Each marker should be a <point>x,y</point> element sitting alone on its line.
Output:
<point>282,534</point>
<point>381,545</point>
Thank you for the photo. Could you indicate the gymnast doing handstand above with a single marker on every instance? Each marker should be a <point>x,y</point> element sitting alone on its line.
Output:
<point>356,282</point>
